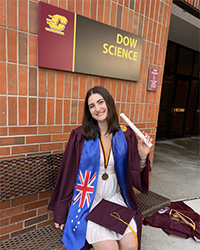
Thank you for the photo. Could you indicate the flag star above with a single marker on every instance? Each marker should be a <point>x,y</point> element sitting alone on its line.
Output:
<point>78,222</point>
<point>72,221</point>
<point>77,216</point>
<point>79,210</point>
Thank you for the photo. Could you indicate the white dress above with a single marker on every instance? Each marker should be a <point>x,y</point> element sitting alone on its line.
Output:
<point>109,190</point>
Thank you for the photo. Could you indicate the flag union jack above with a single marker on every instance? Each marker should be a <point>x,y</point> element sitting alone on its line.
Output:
<point>84,188</point>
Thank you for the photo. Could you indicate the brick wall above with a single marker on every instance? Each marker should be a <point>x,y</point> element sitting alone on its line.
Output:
<point>194,3</point>
<point>39,107</point>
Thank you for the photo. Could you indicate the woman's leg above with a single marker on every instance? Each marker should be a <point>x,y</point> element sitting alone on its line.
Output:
<point>128,242</point>
<point>106,245</point>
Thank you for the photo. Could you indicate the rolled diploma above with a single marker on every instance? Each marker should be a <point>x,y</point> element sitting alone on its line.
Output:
<point>135,129</point>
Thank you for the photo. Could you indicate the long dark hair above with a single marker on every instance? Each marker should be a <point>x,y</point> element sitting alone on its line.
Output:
<point>90,127</point>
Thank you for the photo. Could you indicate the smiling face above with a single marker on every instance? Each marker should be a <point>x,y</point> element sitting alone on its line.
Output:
<point>98,107</point>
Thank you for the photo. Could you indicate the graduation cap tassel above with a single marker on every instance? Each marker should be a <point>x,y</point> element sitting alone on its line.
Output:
<point>118,218</point>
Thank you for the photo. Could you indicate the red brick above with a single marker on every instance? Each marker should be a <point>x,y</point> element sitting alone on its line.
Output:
<point>62,4</point>
<point>66,111</point>
<point>69,128</point>
<point>60,137</point>
<point>4,222</point>
<point>124,19</point>
<point>22,110</point>
<point>33,50</point>
<point>42,82</point>
<point>3,131</point>
<point>46,223</point>
<point>82,86</point>
<point>135,25</point>
<point>33,17</point>
<point>3,10</point>
<point>130,20</point>
<point>23,200</point>
<point>22,130</point>
<point>71,6</point>
<point>49,129</point>
<point>11,211</point>
<point>37,204</point>
<point>142,7</point>
<point>113,14</point>
<point>23,216</point>
<point>59,85</point>
<point>11,141</point>
<point>3,111</point>
<point>32,81</point>
<point>45,194</point>
<point>100,10</point>
<point>41,111</point>
<point>59,111</point>
<point>152,10</point>
<point>79,7</point>
<point>22,48</point>
<point>3,46</point>
<point>22,10</point>
<point>156,12</point>
<point>22,80</point>
<point>12,14</point>
<point>93,9</point>
<point>11,228</point>
<point>75,86</point>
<point>4,150</point>
<point>86,8</point>
<point>12,79</point>
<point>43,210</point>
<point>147,8</point>
<point>80,111</point>
<point>74,111</point>
<point>12,45</point>
<point>137,5</point>
<point>32,111</point>
<point>38,139</point>
<point>51,83</point>
<point>12,110</point>
<point>3,78</point>
<point>51,146</point>
<point>50,111</point>
<point>24,149</point>
<point>67,85</point>
<point>5,204</point>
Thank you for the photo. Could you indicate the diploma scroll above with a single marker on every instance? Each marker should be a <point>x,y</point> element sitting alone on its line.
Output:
<point>135,129</point>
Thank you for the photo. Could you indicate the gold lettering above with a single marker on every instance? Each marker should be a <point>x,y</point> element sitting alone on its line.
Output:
<point>105,45</point>
<point>110,52</point>
<point>133,43</point>
<point>119,36</point>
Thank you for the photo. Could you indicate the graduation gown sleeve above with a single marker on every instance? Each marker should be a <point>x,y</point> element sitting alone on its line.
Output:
<point>63,191</point>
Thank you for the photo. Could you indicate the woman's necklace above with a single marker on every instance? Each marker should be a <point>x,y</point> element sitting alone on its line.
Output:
<point>106,158</point>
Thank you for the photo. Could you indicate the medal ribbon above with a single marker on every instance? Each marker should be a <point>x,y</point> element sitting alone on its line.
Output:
<point>106,158</point>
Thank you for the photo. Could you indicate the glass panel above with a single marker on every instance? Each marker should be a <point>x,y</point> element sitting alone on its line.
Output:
<point>167,89</point>
<point>196,65</point>
<point>162,124</point>
<point>177,124</point>
<point>192,97</point>
<point>184,61</point>
<point>170,58</point>
<point>181,94</point>
<point>188,122</point>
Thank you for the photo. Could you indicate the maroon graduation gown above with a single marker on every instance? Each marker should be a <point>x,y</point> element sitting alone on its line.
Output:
<point>63,191</point>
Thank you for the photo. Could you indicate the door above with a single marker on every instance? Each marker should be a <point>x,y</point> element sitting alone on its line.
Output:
<point>178,107</point>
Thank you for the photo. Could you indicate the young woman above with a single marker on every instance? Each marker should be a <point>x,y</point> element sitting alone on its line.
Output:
<point>102,161</point>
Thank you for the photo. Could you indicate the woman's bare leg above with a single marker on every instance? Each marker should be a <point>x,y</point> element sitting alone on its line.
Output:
<point>106,245</point>
<point>128,242</point>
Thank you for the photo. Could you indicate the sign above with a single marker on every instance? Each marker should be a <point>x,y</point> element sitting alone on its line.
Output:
<point>153,77</point>
<point>70,42</point>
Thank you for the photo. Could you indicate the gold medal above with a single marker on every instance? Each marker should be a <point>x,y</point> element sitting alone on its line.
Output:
<point>105,176</point>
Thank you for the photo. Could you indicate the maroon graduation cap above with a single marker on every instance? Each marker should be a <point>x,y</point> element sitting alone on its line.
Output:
<point>112,216</point>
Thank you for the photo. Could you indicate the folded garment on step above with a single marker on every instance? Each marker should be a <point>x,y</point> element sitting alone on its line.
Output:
<point>178,219</point>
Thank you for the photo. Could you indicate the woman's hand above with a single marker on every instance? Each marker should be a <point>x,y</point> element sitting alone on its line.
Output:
<point>143,149</point>
<point>61,226</point>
